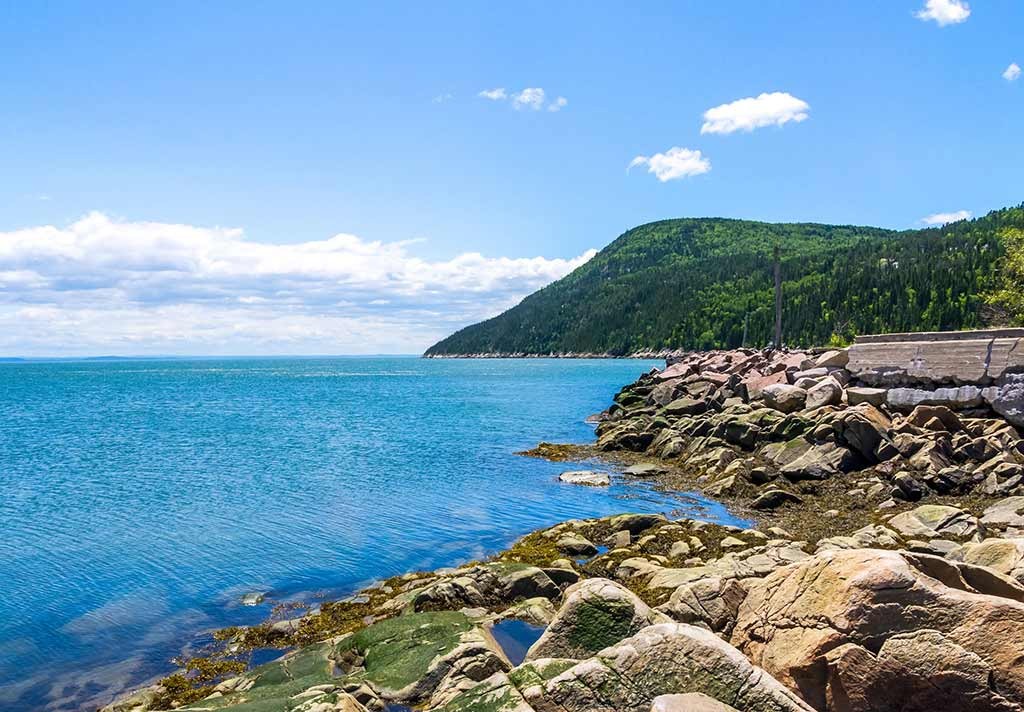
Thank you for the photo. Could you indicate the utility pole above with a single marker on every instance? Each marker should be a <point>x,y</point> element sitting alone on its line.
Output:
<point>778,298</point>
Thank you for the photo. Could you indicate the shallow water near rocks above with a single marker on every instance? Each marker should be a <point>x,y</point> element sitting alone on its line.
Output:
<point>144,498</point>
<point>515,637</point>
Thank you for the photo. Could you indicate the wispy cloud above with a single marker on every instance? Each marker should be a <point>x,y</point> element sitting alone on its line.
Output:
<point>943,218</point>
<point>106,286</point>
<point>673,164</point>
<point>1012,73</point>
<point>442,98</point>
<point>944,12</point>
<point>774,109</point>
<point>530,98</point>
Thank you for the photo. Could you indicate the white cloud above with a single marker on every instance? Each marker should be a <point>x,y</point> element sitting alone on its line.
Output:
<point>944,12</point>
<point>532,98</point>
<point>529,98</point>
<point>442,98</point>
<point>494,94</point>
<point>943,218</point>
<point>673,164</point>
<point>774,109</point>
<point>100,286</point>
<point>1012,72</point>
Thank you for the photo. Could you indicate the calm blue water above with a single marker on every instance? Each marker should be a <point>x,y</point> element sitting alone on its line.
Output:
<point>141,499</point>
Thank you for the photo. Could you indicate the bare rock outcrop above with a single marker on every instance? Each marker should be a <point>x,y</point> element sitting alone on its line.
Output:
<point>791,621</point>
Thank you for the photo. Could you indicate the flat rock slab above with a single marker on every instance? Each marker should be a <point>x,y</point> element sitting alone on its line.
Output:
<point>645,469</point>
<point>590,478</point>
<point>978,361</point>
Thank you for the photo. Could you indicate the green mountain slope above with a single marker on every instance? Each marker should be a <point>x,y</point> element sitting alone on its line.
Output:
<point>694,283</point>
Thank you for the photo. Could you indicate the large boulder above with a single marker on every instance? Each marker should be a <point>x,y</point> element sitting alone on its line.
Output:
<point>1003,555</point>
<point>819,463</point>
<point>792,619</point>
<point>1008,399</point>
<point>1005,514</point>
<point>670,658</point>
<point>932,521</point>
<point>825,392</point>
<point>596,613</point>
<point>920,671</point>
<point>784,398</point>
<point>753,386</point>
<point>864,428</point>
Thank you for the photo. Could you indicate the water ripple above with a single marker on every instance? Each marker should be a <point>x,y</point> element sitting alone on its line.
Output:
<point>142,498</point>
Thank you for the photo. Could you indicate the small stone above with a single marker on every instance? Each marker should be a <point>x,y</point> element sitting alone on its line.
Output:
<point>773,499</point>
<point>254,598</point>
<point>731,542</point>
<point>576,545</point>
<point>645,469</point>
<point>590,478</point>
<point>680,550</point>
<point>760,476</point>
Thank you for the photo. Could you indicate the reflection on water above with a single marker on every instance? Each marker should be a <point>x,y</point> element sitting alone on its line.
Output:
<point>515,637</point>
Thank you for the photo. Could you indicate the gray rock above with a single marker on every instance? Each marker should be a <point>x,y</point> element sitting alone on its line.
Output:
<point>961,359</point>
<point>1008,400</point>
<point>933,521</point>
<point>833,359</point>
<point>645,469</point>
<point>1007,513</point>
<point>784,398</point>
<point>826,392</point>
<point>906,399</point>
<point>856,395</point>
<point>590,478</point>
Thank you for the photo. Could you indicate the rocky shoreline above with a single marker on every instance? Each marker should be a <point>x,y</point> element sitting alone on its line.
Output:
<point>886,570</point>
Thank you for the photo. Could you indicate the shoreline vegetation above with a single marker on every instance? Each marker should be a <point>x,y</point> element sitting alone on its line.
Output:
<point>885,569</point>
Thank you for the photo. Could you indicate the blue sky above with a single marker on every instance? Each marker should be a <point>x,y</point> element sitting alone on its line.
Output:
<point>160,158</point>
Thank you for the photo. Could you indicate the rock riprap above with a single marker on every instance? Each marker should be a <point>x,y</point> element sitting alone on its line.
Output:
<point>744,419</point>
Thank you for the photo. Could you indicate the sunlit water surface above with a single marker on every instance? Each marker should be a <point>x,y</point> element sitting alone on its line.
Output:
<point>141,499</point>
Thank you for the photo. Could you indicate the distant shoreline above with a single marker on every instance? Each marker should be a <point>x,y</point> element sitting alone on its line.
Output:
<point>638,355</point>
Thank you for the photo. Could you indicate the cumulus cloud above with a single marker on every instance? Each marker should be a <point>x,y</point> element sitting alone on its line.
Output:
<point>1012,72</point>
<point>944,12</point>
<point>558,104</point>
<point>675,163</point>
<point>774,109</point>
<point>101,286</point>
<point>494,94</point>
<point>943,218</point>
<point>530,98</point>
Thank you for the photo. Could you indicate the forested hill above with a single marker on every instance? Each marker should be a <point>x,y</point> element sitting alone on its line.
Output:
<point>694,283</point>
